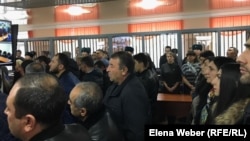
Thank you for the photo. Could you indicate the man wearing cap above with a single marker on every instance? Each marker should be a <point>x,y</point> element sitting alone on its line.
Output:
<point>129,49</point>
<point>197,48</point>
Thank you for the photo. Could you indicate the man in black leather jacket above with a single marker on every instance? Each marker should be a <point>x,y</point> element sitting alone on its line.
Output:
<point>34,108</point>
<point>86,104</point>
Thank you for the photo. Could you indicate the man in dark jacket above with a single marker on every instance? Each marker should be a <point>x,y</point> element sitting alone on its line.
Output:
<point>126,99</point>
<point>59,66</point>
<point>148,78</point>
<point>86,104</point>
<point>34,108</point>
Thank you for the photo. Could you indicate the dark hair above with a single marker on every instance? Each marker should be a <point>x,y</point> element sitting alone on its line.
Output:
<point>168,47</point>
<point>221,60</point>
<point>18,50</point>
<point>88,60</point>
<point>40,95</point>
<point>99,64</point>
<point>141,57</point>
<point>31,54</point>
<point>174,50</point>
<point>63,59</point>
<point>44,59</point>
<point>126,60</point>
<point>90,97</point>
<point>151,64</point>
<point>25,63</point>
<point>229,81</point>
<point>190,53</point>
<point>207,53</point>
<point>130,49</point>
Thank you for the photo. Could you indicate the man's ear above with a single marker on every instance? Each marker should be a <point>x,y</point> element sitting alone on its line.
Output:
<point>60,66</point>
<point>28,122</point>
<point>83,112</point>
<point>124,70</point>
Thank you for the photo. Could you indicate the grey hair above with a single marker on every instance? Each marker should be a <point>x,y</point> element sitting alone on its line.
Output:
<point>90,97</point>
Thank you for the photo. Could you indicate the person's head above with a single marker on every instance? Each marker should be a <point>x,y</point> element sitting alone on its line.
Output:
<point>226,85</point>
<point>29,55</point>
<point>86,63</point>
<point>45,53</point>
<point>175,51</point>
<point>214,66</point>
<point>244,60</point>
<point>67,53</point>
<point>204,66</point>
<point>85,99</point>
<point>35,102</point>
<point>43,60</point>
<point>18,53</point>
<point>85,51</point>
<point>197,48</point>
<point>18,64</point>
<point>129,49</point>
<point>170,57</point>
<point>59,63</point>
<point>227,79</point>
<point>205,54</point>
<point>24,64</point>
<point>94,55</point>
<point>141,62</point>
<point>100,54</point>
<point>232,52</point>
<point>191,56</point>
<point>167,49</point>
<point>34,67</point>
<point>121,64</point>
<point>100,65</point>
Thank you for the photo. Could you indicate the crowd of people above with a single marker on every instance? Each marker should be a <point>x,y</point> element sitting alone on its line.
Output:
<point>102,97</point>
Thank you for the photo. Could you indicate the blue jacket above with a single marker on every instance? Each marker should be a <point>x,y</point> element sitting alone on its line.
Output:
<point>67,81</point>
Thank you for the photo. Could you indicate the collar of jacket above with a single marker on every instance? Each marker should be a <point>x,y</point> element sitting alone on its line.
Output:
<point>49,132</point>
<point>116,89</point>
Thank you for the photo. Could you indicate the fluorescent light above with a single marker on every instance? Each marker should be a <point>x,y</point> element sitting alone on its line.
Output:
<point>76,10</point>
<point>149,4</point>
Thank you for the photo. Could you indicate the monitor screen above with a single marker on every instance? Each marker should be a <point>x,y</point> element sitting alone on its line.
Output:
<point>6,43</point>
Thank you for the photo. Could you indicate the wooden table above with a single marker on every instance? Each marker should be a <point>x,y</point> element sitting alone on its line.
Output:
<point>161,97</point>
<point>177,105</point>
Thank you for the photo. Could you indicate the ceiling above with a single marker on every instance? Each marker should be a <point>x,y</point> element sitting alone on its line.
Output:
<point>26,4</point>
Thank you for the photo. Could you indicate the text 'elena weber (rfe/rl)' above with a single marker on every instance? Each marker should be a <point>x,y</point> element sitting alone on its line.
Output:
<point>209,133</point>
